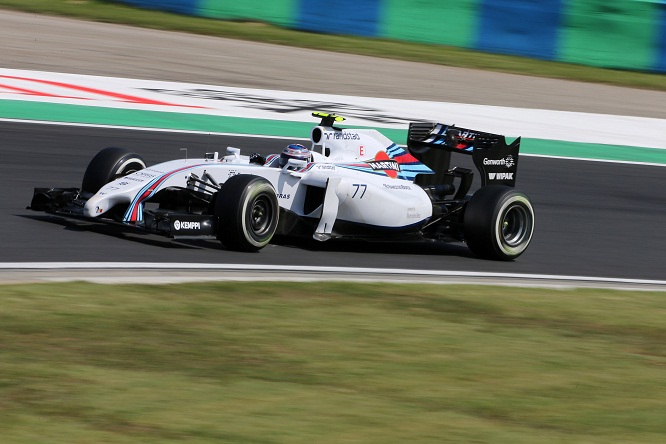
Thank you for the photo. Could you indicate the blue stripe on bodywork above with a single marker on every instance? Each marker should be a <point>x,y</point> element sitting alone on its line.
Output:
<point>127,217</point>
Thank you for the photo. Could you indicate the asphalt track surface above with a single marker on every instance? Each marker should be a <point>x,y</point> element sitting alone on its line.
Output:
<point>593,218</point>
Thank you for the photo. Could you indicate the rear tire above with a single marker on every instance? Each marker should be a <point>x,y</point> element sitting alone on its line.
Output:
<point>498,222</point>
<point>246,211</point>
<point>108,165</point>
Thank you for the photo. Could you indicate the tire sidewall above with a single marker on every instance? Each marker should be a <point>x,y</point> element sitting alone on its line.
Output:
<point>258,191</point>
<point>127,165</point>
<point>233,208</point>
<point>108,165</point>
<point>513,202</point>
<point>485,215</point>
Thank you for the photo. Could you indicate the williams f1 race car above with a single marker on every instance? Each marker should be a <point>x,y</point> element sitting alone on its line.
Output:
<point>351,183</point>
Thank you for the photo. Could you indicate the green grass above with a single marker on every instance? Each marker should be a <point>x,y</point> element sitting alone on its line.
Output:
<point>116,13</point>
<point>330,363</point>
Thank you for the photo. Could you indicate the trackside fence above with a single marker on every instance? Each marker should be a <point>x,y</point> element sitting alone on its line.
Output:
<point>623,34</point>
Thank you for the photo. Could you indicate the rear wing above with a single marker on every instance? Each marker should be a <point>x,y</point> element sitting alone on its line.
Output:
<point>496,161</point>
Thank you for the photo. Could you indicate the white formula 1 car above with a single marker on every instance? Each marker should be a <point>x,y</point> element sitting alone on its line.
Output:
<point>356,183</point>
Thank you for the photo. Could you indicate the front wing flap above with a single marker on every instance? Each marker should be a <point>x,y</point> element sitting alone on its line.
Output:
<point>69,203</point>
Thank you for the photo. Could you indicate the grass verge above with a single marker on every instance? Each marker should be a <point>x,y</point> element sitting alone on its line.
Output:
<point>330,363</point>
<point>105,11</point>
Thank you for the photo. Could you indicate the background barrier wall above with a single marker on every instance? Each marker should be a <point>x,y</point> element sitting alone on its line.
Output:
<point>627,34</point>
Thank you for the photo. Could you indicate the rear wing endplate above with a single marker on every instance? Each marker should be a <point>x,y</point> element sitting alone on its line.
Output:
<point>496,161</point>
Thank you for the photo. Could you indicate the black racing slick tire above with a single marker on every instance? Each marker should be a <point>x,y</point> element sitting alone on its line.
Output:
<point>246,212</point>
<point>498,222</point>
<point>108,165</point>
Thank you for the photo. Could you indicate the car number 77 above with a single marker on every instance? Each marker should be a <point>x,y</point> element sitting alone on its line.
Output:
<point>358,186</point>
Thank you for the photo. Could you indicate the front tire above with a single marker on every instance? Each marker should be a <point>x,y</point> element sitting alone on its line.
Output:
<point>108,165</point>
<point>246,210</point>
<point>498,223</point>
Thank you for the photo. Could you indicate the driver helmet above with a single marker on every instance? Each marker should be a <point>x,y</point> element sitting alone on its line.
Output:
<point>294,151</point>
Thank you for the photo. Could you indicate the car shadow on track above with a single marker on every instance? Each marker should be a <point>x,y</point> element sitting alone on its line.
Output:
<point>128,233</point>
<point>114,230</point>
<point>420,248</point>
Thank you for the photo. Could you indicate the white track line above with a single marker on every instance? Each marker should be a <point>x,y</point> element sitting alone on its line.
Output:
<point>157,130</point>
<point>249,272</point>
<point>260,136</point>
